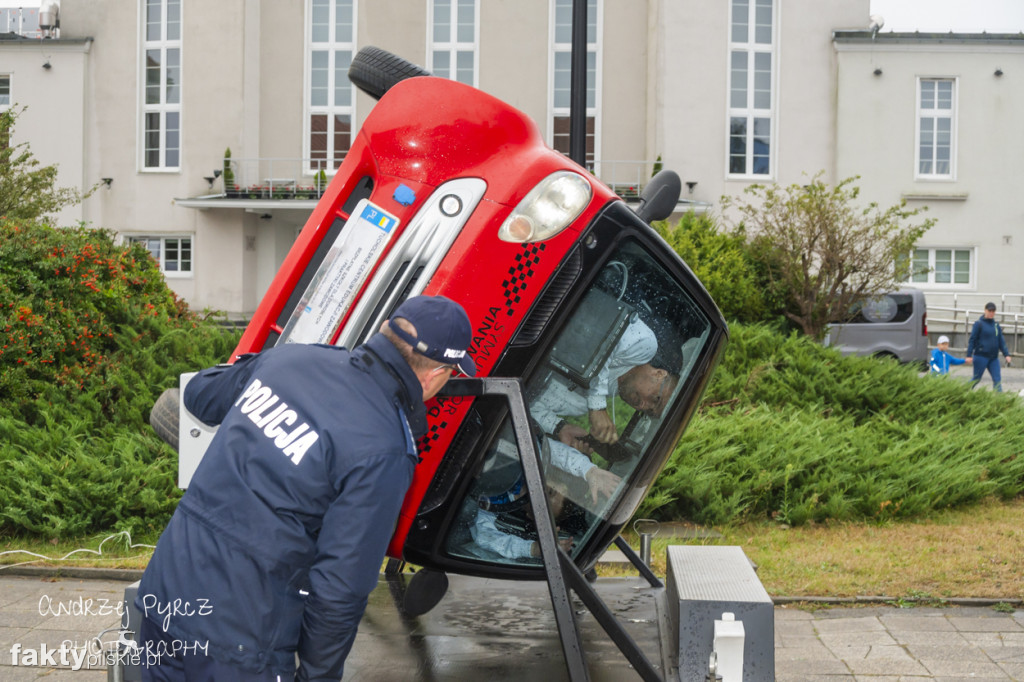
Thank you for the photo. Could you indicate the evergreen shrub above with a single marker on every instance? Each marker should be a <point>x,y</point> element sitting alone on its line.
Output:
<point>725,265</point>
<point>91,337</point>
<point>792,431</point>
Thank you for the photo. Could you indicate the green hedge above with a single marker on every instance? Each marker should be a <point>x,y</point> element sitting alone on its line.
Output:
<point>92,336</point>
<point>793,431</point>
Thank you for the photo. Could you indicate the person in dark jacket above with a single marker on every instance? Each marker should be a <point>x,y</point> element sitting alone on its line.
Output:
<point>278,541</point>
<point>984,345</point>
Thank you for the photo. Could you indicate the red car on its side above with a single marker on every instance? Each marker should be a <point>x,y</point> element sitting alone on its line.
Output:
<point>448,190</point>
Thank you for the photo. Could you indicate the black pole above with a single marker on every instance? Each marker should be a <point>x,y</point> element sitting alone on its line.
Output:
<point>578,85</point>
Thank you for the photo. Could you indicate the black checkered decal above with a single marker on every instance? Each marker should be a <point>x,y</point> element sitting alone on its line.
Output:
<point>519,274</point>
<point>432,434</point>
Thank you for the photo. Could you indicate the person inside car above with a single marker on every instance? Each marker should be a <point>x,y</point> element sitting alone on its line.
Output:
<point>631,372</point>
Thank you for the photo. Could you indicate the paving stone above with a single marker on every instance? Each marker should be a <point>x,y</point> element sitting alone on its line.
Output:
<point>786,668</point>
<point>917,622</point>
<point>794,627</point>
<point>805,653</point>
<point>880,638</point>
<point>973,669</point>
<point>994,640</point>
<point>1014,670</point>
<point>930,638</point>
<point>21,619</point>
<point>889,653</point>
<point>1007,654</point>
<point>799,642</point>
<point>847,625</point>
<point>848,652</point>
<point>997,622</point>
<point>886,666</point>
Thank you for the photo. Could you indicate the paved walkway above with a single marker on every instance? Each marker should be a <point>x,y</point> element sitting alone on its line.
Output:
<point>496,630</point>
<point>958,643</point>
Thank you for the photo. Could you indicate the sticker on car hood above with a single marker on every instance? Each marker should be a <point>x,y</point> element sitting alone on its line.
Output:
<point>339,278</point>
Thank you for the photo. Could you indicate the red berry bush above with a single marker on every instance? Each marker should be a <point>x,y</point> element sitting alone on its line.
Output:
<point>90,335</point>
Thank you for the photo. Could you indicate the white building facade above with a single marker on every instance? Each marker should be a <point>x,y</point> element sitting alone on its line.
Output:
<point>144,97</point>
<point>934,119</point>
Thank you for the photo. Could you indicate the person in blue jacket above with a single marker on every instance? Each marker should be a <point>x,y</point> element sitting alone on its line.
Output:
<point>984,345</point>
<point>278,541</point>
<point>942,359</point>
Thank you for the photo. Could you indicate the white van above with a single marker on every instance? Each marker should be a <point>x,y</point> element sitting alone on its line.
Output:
<point>892,324</point>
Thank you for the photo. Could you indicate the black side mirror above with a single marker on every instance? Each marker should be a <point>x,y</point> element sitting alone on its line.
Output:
<point>660,196</point>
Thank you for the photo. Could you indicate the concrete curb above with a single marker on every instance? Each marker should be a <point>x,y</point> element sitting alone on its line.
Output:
<point>79,572</point>
<point>912,601</point>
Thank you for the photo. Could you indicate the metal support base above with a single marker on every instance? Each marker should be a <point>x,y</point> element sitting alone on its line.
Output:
<point>561,572</point>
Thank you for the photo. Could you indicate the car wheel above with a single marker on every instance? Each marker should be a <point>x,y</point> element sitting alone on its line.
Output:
<point>164,417</point>
<point>375,71</point>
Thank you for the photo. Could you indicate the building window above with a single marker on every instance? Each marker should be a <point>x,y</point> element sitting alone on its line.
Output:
<point>330,96</point>
<point>453,39</point>
<point>161,87</point>
<point>751,69</point>
<point>5,91</point>
<point>943,267</point>
<point>936,109</point>
<point>173,254</point>
<point>562,76</point>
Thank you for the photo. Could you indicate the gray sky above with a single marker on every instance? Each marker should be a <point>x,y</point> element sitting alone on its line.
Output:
<point>965,16</point>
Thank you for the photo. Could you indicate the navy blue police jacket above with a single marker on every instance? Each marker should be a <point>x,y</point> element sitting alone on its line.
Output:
<point>279,539</point>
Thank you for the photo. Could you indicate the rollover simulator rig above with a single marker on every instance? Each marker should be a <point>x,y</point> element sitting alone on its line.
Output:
<point>449,191</point>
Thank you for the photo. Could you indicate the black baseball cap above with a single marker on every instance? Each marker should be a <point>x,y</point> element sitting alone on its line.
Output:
<point>990,306</point>
<point>443,332</point>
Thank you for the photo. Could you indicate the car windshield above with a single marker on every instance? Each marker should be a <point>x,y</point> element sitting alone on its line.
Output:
<point>596,402</point>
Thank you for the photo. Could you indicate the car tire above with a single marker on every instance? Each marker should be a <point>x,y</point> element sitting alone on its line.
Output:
<point>164,417</point>
<point>375,71</point>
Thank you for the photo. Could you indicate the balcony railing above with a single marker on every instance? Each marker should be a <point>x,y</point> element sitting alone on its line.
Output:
<point>275,178</point>
<point>625,178</point>
<point>283,178</point>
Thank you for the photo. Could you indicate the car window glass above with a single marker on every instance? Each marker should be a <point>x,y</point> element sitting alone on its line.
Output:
<point>885,308</point>
<point>618,364</point>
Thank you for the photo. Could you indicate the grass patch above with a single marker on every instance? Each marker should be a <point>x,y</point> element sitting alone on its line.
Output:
<point>101,550</point>
<point>974,552</point>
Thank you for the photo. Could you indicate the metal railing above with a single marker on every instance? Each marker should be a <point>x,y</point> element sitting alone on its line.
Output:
<point>284,178</point>
<point>960,317</point>
<point>276,178</point>
<point>625,178</point>
<point>1005,303</point>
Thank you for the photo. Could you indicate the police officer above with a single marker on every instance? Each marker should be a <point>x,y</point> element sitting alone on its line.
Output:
<point>279,538</point>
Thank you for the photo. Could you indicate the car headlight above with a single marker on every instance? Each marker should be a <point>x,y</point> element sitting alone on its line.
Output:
<point>549,208</point>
